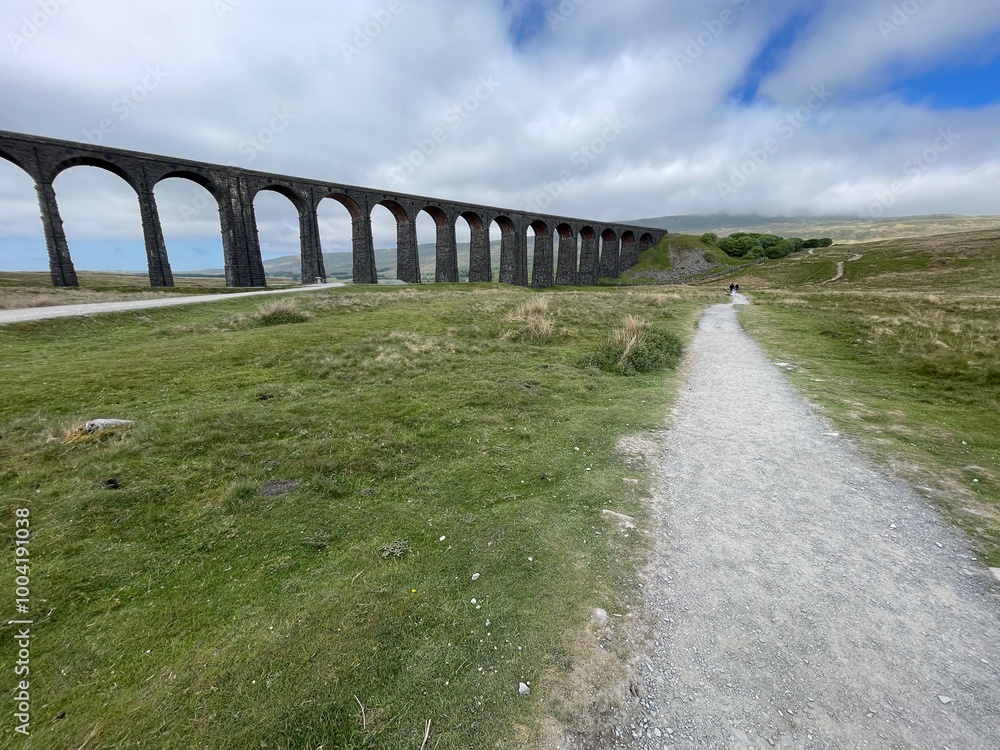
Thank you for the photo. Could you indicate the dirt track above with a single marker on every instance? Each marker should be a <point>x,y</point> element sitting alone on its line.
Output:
<point>26,314</point>
<point>800,598</point>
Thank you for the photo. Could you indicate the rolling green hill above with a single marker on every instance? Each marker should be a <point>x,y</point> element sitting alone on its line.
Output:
<point>843,229</point>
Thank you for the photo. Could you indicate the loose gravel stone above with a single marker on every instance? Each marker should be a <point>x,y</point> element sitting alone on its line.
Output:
<point>784,609</point>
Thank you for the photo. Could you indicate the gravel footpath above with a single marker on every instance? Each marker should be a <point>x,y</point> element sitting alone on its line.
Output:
<point>800,597</point>
<point>26,314</point>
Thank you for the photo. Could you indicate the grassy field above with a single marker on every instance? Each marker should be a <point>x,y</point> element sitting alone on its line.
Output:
<point>843,230</point>
<point>281,552</point>
<point>903,352</point>
<point>19,289</point>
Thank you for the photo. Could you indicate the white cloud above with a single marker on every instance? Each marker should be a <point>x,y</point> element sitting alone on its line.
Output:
<point>664,69</point>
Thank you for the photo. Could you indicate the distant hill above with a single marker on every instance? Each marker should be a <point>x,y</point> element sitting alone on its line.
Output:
<point>841,229</point>
<point>340,265</point>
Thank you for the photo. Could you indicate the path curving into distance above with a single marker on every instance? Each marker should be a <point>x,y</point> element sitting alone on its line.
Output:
<point>27,314</point>
<point>799,596</point>
<point>841,266</point>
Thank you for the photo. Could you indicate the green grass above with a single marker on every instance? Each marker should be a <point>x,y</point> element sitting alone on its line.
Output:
<point>904,354</point>
<point>421,444</point>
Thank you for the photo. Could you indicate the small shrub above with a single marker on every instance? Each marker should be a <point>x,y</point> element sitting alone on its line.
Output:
<point>279,312</point>
<point>397,548</point>
<point>635,347</point>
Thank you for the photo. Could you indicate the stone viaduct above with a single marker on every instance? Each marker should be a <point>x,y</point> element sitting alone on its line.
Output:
<point>587,250</point>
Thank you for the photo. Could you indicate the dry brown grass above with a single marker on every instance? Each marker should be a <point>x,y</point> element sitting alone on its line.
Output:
<point>628,337</point>
<point>531,321</point>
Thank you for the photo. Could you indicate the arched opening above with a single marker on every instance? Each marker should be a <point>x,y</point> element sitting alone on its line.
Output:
<point>335,219</point>
<point>99,207</point>
<point>541,255</point>
<point>395,238</point>
<point>609,254</point>
<point>645,242</point>
<point>362,247</point>
<point>188,207</point>
<point>278,231</point>
<point>589,267</point>
<point>479,268</point>
<point>22,236</point>
<point>568,262</point>
<point>463,243</point>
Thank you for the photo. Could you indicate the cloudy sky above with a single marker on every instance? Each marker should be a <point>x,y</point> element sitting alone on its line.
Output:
<point>591,108</point>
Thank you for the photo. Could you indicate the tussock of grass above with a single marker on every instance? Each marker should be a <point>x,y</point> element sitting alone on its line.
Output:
<point>655,299</point>
<point>531,321</point>
<point>279,312</point>
<point>635,347</point>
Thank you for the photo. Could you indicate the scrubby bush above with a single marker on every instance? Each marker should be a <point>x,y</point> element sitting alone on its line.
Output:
<point>710,238</point>
<point>635,347</point>
<point>279,312</point>
<point>817,243</point>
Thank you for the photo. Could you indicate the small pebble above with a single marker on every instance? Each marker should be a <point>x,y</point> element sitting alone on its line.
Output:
<point>523,689</point>
<point>475,576</point>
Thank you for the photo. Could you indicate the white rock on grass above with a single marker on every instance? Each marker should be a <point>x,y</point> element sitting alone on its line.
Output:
<point>523,689</point>
<point>99,425</point>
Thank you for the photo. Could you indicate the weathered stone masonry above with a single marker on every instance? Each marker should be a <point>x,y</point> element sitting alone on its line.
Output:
<point>606,249</point>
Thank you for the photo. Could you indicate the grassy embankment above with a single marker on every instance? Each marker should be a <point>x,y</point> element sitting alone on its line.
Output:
<point>422,436</point>
<point>20,289</point>
<point>902,353</point>
<point>677,258</point>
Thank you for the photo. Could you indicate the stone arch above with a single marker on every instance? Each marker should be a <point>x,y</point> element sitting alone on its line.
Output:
<point>446,246</point>
<point>589,271</point>
<point>166,192</point>
<point>91,161</point>
<point>272,187</point>
<point>609,263</point>
<point>362,247</point>
<point>281,241</point>
<point>566,268</point>
<point>542,264</point>
<point>148,233</point>
<point>646,241</point>
<point>407,256</point>
<point>195,177</point>
<point>347,202</point>
<point>480,252</point>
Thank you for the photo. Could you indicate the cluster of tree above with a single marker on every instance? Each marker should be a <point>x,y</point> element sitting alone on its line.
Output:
<point>752,245</point>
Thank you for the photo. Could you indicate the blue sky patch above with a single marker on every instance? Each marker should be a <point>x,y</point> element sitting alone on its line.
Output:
<point>772,55</point>
<point>528,20</point>
<point>972,85</point>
